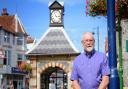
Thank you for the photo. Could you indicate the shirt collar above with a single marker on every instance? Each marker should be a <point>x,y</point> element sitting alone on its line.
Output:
<point>90,54</point>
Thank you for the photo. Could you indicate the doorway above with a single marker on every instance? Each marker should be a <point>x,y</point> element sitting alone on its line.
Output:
<point>54,78</point>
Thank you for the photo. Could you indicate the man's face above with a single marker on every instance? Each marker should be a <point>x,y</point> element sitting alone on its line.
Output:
<point>88,42</point>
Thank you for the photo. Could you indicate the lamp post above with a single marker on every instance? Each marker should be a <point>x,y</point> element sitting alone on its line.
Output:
<point>114,78</point>
<point>98,36</point>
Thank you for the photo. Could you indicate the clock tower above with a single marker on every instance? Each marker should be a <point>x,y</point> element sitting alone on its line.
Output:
<point>51,58</point>
<point>56,14</point>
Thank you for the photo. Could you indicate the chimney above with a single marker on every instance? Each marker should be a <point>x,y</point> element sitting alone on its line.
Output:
<point>4,12</point>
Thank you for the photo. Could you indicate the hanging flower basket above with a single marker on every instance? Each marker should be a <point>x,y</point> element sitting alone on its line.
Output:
<point>25,67</point>
<point>99,8</point>
<point>123,8</point>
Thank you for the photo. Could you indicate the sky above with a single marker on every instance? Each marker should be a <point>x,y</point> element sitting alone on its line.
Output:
<point>35,16</point>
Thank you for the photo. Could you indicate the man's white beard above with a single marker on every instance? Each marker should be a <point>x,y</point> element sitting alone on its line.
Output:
<point>89,49</point>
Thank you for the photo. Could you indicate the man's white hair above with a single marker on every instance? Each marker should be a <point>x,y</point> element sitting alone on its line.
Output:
<point>88,33</point>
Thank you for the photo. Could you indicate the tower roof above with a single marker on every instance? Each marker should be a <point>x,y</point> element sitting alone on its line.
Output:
<point>56,4</point>
<point>54,41</point>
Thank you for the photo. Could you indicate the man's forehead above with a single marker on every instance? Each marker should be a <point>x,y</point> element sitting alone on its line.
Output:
<point>88,35</point>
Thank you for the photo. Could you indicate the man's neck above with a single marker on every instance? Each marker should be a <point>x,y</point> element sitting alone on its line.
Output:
<point>89,54</point>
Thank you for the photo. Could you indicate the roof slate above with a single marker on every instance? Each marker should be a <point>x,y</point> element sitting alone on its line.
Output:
<point>54,41</point>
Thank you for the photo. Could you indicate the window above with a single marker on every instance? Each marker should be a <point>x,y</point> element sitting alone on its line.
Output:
<point>1,56</point>
<point>126,45</point>
<point>19,59</point>
<point>20,39</point>
<point>7,60</point>
<point>14,39</point>
<point>20,56</point>
<point>6,37</point>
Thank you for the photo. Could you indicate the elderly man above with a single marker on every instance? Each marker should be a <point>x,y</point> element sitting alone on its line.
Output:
<point>90,69</point>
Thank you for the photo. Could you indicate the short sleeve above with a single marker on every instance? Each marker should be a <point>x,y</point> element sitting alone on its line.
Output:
<point>74,73</point>
<point>105,70</point>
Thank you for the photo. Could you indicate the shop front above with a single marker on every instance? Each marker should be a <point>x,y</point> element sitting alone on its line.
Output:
<point>16,79</point>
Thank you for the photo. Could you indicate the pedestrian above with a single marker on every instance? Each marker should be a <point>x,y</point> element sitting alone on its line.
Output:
<point>90,68</point>
<point>52,84</point>
<point>3,84</point>
<point>11,84</point>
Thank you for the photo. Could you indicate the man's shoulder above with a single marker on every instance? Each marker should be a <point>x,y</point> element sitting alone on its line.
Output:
<point>79,57</point>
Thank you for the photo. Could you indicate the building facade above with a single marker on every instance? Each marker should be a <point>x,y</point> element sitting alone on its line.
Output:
<point>12,51</point>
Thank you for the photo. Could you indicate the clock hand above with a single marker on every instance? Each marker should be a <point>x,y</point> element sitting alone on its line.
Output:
<point>55,14</point>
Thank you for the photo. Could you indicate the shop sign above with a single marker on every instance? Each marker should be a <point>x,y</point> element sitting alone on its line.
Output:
<point>18,71</point>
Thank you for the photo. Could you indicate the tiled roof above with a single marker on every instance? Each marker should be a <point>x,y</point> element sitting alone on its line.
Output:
<point>54,41</point>
<point>11,24</point>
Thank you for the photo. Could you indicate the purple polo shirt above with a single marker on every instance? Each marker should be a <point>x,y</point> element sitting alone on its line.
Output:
<point>89,71</point>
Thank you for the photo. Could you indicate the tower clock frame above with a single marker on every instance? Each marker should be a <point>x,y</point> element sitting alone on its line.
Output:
<point>56,14</point>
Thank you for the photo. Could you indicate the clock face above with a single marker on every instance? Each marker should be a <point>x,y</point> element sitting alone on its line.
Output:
<point>56,16</point>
